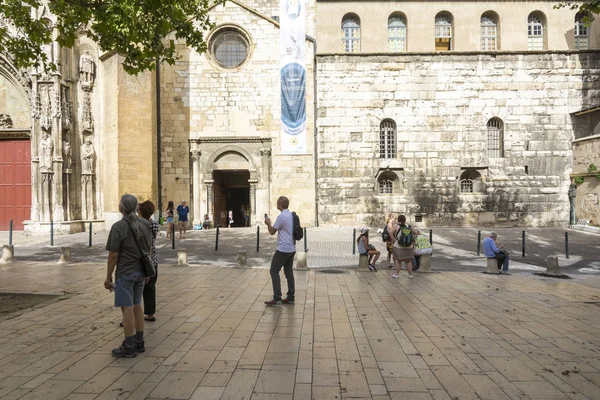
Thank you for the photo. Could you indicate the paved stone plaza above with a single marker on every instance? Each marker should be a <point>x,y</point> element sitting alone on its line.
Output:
<point>446,335</point>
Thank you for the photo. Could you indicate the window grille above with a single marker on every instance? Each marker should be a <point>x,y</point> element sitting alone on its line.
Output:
<point>387,139</point>
<point>418,218</point>
<point>386,186</point>
<point>443,33</point>
<point>582,36</point>
<point>535,33</point>
<point>489,33</point>
<point>351,35</point>
<point>230,49</point>
<point>396,34</point>
<point>466,186</point>
<point>495,130</point>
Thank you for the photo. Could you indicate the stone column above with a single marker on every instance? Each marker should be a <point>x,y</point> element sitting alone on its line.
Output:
<point>197,209</point>
<point>210,199</point>
<point>253,215</point>
<point>58,211</point>
<point>266,173</point>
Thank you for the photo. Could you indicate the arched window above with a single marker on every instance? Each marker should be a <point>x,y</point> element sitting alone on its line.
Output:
<point>535,32</point>
<point>387,139</point>
<point>470,181</point>
<point>388,183</point>
<point>489,32</point>
<point>443,32</point>
<point>582,33</point>
<point>351,33</point>
<point>396,33</point>
<point>495,134</point>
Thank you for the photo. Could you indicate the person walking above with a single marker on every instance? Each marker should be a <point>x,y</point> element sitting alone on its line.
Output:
<point>170,212</point>
<point>127,242</point>
<point>146,210</point>
<point>182,212</point>
<point>367,249</point>
<point>404,244</point>
<point>284,255</point>
<point>493,250</point>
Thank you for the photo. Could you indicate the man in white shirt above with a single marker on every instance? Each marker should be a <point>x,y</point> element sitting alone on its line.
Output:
<point>284,256</point>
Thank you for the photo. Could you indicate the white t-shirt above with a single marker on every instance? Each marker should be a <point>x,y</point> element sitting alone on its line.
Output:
<point>285,232</point>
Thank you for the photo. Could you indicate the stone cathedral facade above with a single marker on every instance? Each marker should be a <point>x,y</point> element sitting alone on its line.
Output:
<point>457,112</point>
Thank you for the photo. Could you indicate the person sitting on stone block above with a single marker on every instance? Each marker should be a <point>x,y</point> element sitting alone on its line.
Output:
<point>492,250</point>
<point>422,247</point>
<point>367,249</point>
<point>206,223</point>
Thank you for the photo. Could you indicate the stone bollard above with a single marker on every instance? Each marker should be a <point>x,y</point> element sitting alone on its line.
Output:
<point>182,259</point>
<point>301,262</point>
<point>8,254</point>
<point>492,266</point>
<point>65,255</point>
<point>552,267</point>
<point>242,259</point>
<point>425,265</point>
<point>363,262</point>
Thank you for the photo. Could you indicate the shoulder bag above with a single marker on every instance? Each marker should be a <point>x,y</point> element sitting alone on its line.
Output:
<point>147,263</point>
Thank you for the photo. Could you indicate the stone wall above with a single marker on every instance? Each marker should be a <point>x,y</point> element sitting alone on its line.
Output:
<point>586,151</point>
<point>441,105</point>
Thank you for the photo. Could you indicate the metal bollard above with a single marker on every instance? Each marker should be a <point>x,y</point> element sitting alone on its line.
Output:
<point>478,242</point>
<point>304,240</point>
<point>523,245</point>
<point>90,231</point>
<point>173,237</point>
<point>567,244</point>
<point>10,233</point>
<point>217,239</point>
<point>257,238</point>
<point>431,236</point>
<point>51,233</point>
<point>354,241</point>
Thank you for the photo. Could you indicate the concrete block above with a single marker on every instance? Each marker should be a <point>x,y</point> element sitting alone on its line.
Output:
<point>363,262</point>
<point>182,259</point>
<point>242,259</point>
<point>301,262</point>
<point>492,266</point>
<point>425,265</point>
<point>65,255</point>
<point>8,254</point>
<point>552,267</point>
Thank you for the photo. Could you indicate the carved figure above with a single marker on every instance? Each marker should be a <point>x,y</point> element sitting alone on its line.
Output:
<point>46,151</point>
<point>67,155</point>
<point>5,121</point>
<point>87,70</point>
<point>87,157</point>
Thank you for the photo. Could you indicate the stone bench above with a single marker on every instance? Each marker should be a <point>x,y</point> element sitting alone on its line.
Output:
<point>425,263</point>
<point>182,259</point>
<point>363,261</point>
<point>492,266</point>
<point>242,259</point>
<point>65,255</point>
<point>301,262</point>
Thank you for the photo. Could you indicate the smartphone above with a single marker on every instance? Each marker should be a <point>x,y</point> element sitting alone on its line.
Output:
<point>266,216</point>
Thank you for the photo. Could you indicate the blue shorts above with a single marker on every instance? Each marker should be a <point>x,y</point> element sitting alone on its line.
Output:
<point>169,220</point>
<point>129,289</point>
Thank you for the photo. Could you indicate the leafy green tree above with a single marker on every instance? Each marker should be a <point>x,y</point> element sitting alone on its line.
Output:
<point>587,8</point>
<point>140,30</point>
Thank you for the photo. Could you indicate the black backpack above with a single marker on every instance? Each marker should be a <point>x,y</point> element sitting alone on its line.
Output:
<point>385,236</point>
<point>298,231</point>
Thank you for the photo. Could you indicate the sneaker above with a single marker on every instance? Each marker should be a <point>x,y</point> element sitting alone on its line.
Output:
<point>125,351</point>
<point>395,276</point>
<point>140,346</point>
<point>287,300</point>
<point>273,302</point>
<point>410,276</point>
<point>391,266</point>
<point>372,267</point>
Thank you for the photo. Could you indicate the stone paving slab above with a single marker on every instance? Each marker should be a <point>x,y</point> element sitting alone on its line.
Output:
<point>355,335</point>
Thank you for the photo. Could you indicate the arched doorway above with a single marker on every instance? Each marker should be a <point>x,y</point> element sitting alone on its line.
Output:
<point>231,175</point>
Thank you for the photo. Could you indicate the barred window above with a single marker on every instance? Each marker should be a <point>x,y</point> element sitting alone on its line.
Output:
<point>396,34</point>
<point>489,33</point>
<point>466,186</point>
<point>495,134</point>
<point>535,32</point>
<point>470,181</point>
<point>351,33</point>
<point>386,187</point>
<point>388,183</point>
<point>582,35</point>
<point>387,139</point>
<point>443,32</point>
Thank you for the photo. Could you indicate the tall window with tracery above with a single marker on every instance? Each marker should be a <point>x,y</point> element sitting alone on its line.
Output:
<point>386,186</point>
<point>396,34</point>
<point>582,34</point>
<point>489,33</point>
<point>351,33</point>
<point>443,32</point>
<point>535,32</point>
<point>495,135</point>
<point>387,139</point>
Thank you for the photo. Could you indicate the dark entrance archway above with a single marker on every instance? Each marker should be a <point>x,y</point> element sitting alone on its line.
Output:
<point>231,191</point>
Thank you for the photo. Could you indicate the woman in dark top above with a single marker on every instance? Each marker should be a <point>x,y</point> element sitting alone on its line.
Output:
<point>170,208</point>
<point>146,210</point>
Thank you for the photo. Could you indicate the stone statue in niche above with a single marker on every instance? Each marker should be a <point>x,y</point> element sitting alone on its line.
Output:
<point>67,155</point>
<point>46,151</point>
<point>87,71</point>
<point>5,121</point>
<point>88,156</point>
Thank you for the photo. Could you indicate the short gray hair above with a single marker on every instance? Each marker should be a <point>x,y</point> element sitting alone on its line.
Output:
<point>128,206</point>
<point>492,233</point>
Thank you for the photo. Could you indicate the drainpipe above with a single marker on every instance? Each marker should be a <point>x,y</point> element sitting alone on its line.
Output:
<point>315,138</point>
<point>158,141</point>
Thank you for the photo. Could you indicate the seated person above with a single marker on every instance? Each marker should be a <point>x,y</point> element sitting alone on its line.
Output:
<point>206,223</point>
<point>422,247</point>
<point>493,250</point>
<point>367,249</point>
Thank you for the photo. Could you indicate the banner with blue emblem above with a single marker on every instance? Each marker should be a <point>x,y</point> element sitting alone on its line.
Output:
<point>293,76</point>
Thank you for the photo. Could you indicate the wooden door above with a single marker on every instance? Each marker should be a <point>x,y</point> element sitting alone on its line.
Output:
<point>15,183</point>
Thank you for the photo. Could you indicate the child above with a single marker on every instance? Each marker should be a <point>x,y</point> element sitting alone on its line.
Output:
<point>366,249</point>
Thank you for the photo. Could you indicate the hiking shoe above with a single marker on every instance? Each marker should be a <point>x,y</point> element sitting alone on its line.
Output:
<point>395,276</point>
<point>372,267</point>
<point>140,346</point>
<point>273,302</point>
<point>125,351</point>
<point>287,300</point>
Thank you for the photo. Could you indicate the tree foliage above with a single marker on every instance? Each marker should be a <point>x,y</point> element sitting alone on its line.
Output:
<point>587,8</point>
<point>140,30</point>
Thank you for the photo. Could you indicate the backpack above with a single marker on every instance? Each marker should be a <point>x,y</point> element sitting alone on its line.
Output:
<point>385,236</point>
<point>406,238</point>
<point>298,232</point>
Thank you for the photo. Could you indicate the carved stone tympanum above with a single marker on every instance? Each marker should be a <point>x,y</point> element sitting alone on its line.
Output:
<point>5,121</point>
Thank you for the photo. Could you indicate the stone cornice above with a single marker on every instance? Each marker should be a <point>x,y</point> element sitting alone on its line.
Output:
<point>250,139</point>
<point>491,54</point>
<point>15,133</point>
